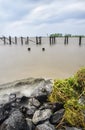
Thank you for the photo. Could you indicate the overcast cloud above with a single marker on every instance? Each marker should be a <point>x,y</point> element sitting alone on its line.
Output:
<point>41,17</point>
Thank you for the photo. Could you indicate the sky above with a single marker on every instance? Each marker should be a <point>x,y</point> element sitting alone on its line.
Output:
<point>42,17</point>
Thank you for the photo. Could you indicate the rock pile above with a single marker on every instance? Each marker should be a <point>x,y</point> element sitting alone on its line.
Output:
<point>32,113</point>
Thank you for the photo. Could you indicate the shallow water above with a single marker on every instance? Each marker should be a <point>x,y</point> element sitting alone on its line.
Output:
<point>57,61</point>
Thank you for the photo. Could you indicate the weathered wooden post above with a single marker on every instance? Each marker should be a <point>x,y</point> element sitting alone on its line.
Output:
<point>54,39</point>
<point>80,40</point>
<point>36,40</point>
<point>4,39</point>
<point>39,40</point>
<point>43,49</point>
<point>50,40</point>
<point>22,40</point>
<point>29,49</point>
<point>15,40</point>
<point>65,40</point>
<point>10,40</point>
<point>27,42</point>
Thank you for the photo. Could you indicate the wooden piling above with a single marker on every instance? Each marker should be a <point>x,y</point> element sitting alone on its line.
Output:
<point>29,49</point>
<point>15,40</point>
<point>27,42</point>
<point>50,40</point>
<point>36,40</point>
<point>22,40</point>
<point>67,40</point>
<point>80,40</point>
<point>4,39</point>
<point>39,40</point>
<point>43,49</point>
<point>10,40</point>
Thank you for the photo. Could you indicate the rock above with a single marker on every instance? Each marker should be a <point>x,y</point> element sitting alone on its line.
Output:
<point>45,126</point>
<point>46,105</point>
<point>42,91</point>
<point>72,128</point>
<point>57,116</point>
<point>16,121</point>
<point>12,97</point>
<point>3,114</point>
<point>82,100</point>
<point>53,106</point>
<point>24,99</point>
<point>30,111</point>
<point>30,124</point>
<point>5,111</point>
<point>34,102</point>
<point>57,106</point>
<point>41,115</point>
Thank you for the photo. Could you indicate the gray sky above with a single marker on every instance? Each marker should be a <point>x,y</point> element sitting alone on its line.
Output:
<point>41,17</point>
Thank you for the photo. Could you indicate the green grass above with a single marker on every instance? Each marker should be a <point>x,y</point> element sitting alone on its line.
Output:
<point>69,91</point>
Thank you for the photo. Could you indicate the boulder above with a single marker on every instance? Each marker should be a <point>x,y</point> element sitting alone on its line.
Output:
<point>12,97</point>
<point>5,111</point>
<point>30,111</point>
<point>42,91</point>
<point>41,115</point>
<point>57,106</point>
<point>57,116</point>
<point>45,126</point>
<point>30,124</point>
<point>16,121</point>
<point>82,100</point>
<point>53,106</point>
<point>34,102</point>
<point>72,128</point>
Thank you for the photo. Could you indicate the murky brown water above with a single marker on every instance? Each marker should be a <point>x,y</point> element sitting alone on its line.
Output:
<point>57,61</point>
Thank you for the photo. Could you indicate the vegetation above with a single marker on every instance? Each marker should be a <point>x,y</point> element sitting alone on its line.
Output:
<point>70,91</point>
<point>56,35</point>
<point>61,35</point>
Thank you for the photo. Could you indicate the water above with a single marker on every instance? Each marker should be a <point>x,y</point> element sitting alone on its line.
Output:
<point>57,61</point>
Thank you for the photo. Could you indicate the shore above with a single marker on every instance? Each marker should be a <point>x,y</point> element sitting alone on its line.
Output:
<point>24,105</point>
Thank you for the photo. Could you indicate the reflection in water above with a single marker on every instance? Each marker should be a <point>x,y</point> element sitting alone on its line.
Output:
<point>55,61</point>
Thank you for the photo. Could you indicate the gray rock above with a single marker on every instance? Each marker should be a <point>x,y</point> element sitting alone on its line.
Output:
<point>34,102</point>
<point>30,111</point>
<point>41,115</point>
<point>12,97</point>
<point>16,121</point>
<point>5,111</point>
<point>72,128</point>
<point>42,91</point>
<point>57,116</point>
<point>30,124</point>
<point>45,126</point>
<point>82,100</point>
<point>53,106</point>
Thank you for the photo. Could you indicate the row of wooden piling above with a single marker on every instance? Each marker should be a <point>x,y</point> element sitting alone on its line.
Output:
<point>52,40</point>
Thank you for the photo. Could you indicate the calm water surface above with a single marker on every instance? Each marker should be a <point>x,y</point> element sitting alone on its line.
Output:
<point>57,61</point>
